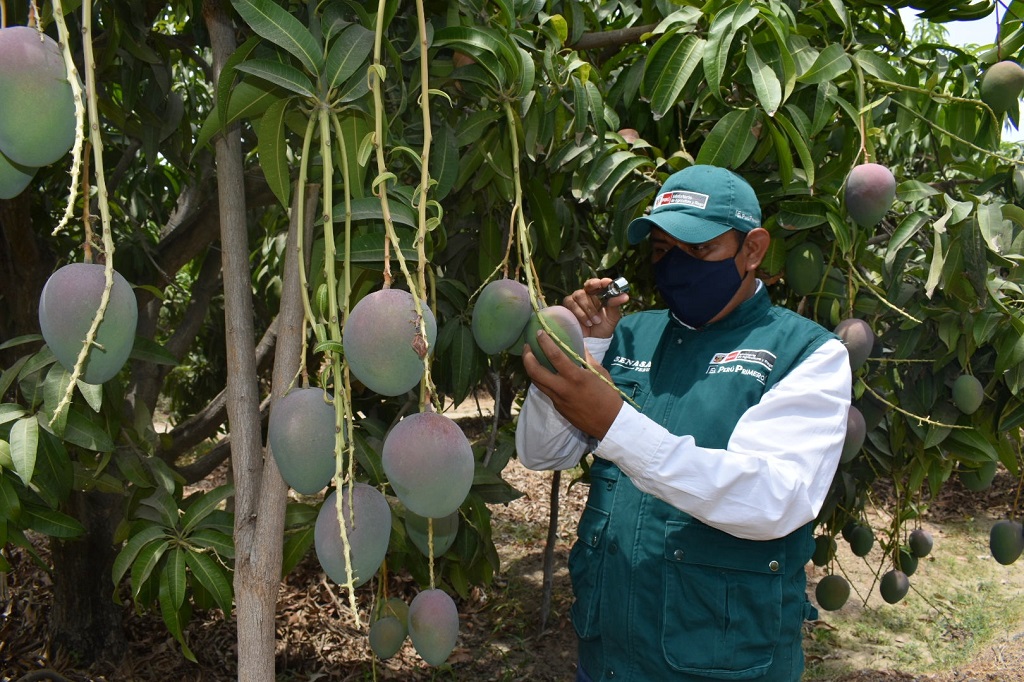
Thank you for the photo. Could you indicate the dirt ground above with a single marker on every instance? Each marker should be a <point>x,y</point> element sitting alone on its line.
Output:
<point>501,636</point>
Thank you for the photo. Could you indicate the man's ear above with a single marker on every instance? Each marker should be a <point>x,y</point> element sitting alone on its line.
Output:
<point>754,248</point>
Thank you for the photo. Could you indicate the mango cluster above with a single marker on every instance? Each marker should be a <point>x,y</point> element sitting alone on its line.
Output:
<point>38,123</point>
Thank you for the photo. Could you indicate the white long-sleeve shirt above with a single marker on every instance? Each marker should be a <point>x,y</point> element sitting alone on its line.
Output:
<point>770,480</point>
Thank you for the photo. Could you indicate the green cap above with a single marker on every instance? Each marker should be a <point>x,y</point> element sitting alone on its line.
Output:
<point>699,203</point>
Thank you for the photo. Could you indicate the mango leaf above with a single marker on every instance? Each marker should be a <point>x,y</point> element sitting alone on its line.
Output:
<point>93,394</point>
<point>218,541</point>
<point>485,46</point>
<point>54,388</point>
<point>10,504</point>
<point>525,76</point>
<point>971,446</point>
<point>226,82</point>
<point>368,208</point>
<point>369,248</point>
<point>82,429</point>
<point>171,595</point>
<point>731,140</point>
<point>145,562</point>
<point>766,82</point>
<point>24,443</point>
<point>49,522</point>
<point>204,504</point>
<point>802,213</point>
<point>720,37</point>
<point>444,160</point>
<point>248,100</point>
<point>8,376</point>
<point>799,142</point>
<point>875,65</point>
<point>1010,346</point>
<point>277,25</point>
<point>20,340</point>
<point>213,577</point>
<point>54,475</point>
<point>284,75</point>
<point>9,412</point>
<point>296,546</point>
<point>831,63</point>
<point>273,151</point>
<point>348,52</point>
<point>670,64</point>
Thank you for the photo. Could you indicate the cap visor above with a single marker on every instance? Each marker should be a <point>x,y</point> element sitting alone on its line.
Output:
<point>686,228</point>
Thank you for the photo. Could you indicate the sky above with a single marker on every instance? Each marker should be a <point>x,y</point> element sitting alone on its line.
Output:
<point>963,33</point>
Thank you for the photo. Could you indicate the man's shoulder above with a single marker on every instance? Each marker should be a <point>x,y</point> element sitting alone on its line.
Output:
<point>796,321</point>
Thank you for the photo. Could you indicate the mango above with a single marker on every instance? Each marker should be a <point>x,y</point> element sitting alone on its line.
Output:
<point>500,315</point>
<point>870,191</point>
<point>980,478</point>
<point>564,326</point>
<point>429,463</point>
<point>968,393</point>
<point>67,306</point>
<point>1001,86</point>
<point>1006,541</point>
<point>858,338</point>
<point>14,177</point>
<point>445,530</point>
<point>301,435</point>
<point>832,592</point>
<point>367,518</point>
<point>383,342</point>
<point>921,542</point>
<point>856,430</point>
<point>38,123</point>
<point>862,539</point>
<point>386,636</point>
<point>894,586</point>
<point>433,625</point>
<point>805,266</point>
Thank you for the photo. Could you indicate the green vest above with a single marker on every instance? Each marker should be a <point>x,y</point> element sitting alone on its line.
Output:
<point>660,596</point>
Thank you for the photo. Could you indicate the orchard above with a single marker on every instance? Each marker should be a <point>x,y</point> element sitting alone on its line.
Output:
<point>284,239</point>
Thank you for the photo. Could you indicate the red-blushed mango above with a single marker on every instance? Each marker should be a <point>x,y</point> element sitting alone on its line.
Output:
<point>14,177</point>
<point>500,315</point>
<point>894,586</point>
<point>832,592</point>
<point>387,635</point>
<point>859,340</point>
<point>67,307</point>
<point>38,122</point>
<point>383,342</point>
<point>805,266</point>
<point>968,393</point>
<point>1001,86</point>
<point>301,434</point>
<point>563,324</point>
<point>445,530</point>
<point>433,625</point>
<point>429,463</point>
<point>1006,541</point>
<point>368,530</point>
<point>856,430</point>
<point>870,190</point>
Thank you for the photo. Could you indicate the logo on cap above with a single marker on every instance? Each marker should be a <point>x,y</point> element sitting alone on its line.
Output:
<point>683,198</point>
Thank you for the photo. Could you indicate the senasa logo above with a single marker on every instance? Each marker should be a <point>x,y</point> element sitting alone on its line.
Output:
<point>630,364</point>
<point>682,198</point>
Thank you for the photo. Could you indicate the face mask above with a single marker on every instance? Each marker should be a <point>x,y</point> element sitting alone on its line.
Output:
<point>695,290</point>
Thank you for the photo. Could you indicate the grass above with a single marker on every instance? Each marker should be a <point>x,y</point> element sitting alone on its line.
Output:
<point>961,600</point>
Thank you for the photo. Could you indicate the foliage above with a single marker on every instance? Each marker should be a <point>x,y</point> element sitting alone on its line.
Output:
<point>521,144</point>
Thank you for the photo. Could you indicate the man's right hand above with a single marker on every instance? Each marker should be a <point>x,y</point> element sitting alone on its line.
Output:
<point>596,320</point>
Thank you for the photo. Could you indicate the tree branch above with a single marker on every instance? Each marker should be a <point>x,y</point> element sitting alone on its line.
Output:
<point>617,38</point>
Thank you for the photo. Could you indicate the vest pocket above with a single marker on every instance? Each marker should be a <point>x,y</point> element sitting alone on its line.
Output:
<point>723,602</point>
<point>586,560</point>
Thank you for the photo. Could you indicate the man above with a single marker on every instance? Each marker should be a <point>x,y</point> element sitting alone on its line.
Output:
<point>711,460</point>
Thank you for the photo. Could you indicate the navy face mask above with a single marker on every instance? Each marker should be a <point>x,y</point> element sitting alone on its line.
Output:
<point>695,290</point>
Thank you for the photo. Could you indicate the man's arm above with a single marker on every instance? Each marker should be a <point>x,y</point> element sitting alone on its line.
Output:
<point>777,468</point>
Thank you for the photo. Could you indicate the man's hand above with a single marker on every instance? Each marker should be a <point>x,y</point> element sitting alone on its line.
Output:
<point>596,320</point>
<point>584,399</point>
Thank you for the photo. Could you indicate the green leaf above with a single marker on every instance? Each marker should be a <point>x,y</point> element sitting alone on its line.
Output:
<point>720,37</point>
<point>9,412</point>
<point>20,340</point>
<point>126,557</point>
<point>248,100</point>
<point>171,595</point>
<point>11,373</point>
<point>799,143</point>
<point>284,75</point>
<point>766,81</point>
<point>347,54</point>
<point>484,45</point>
<point>273,151</point>
<point>831,63</point>
<point>731,140</point>
<point>1010,346</point>
<point>84,430</point>
<point>670,64</point>
<point>218,541</point>
<point>296,546</point>
<point>146,561</point>
<point>277,25</point>
<point>49,522</point>
<point>875,65</point>
<point>24,443</point>
<point>147,350</point>
<point>93,394</point>
<point>369,209</point>
<point>54,388</point>
<point>204,504</point>
<point>840,231</point>
<point>465,360</point>
<point>10,504</point>
<point>226,81</point>
<point>213,577</point>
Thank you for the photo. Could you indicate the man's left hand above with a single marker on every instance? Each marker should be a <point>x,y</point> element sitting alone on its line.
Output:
<point>580,396</point>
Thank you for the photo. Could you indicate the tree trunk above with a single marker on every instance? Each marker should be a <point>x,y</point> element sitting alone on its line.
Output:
<point>86,624</point>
